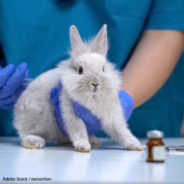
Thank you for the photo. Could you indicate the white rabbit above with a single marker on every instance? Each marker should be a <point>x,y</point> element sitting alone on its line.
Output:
<point>87,78</point>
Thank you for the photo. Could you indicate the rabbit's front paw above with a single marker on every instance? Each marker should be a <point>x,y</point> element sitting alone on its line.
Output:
<point>33,142</point>
<point>133,144</point>
<point>82,146</point>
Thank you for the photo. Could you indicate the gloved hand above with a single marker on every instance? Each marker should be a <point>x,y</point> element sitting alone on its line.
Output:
<point>12,83</point>
<point>91,121</point>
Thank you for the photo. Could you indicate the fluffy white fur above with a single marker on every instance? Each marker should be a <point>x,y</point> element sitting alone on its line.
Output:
<point>95,88</point>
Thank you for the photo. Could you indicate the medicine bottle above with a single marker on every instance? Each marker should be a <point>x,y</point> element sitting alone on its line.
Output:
<point>155,146</point>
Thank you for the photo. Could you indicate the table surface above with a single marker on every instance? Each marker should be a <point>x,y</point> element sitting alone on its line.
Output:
<point>109,163</point>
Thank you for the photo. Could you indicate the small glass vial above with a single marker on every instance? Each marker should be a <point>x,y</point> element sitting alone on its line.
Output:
<point>155,146</point>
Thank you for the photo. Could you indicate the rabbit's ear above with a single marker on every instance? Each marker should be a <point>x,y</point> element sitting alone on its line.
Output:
<point>76,41</point>
<point>100,43</point>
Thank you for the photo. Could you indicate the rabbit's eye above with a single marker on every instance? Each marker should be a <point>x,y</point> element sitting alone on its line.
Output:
<point>103,68</point>
<point>80,70</point>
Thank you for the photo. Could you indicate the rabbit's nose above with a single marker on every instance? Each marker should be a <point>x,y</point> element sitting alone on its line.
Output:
<point>95,86</point>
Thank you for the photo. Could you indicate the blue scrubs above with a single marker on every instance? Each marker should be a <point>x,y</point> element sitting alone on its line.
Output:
<point>37,32</point>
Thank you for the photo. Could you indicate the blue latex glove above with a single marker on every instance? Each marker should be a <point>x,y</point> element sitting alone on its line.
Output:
<point>12,83</point>
<point>54,97</point>
<point>91,121</point>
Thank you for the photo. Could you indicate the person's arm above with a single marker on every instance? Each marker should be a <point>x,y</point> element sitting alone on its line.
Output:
<point>151,64</point>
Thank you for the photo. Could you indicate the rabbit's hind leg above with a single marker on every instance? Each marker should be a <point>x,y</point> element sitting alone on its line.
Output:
<point>33,142</point>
